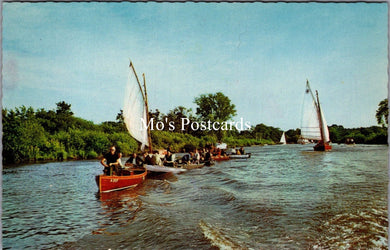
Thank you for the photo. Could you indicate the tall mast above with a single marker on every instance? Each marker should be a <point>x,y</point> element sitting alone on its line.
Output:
<point>147,115</point>
<point>139,84</point>
<point>320,118</point>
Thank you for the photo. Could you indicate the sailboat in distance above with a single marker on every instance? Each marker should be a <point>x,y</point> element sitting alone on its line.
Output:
<point>314,126</point>
<point>283,139</point>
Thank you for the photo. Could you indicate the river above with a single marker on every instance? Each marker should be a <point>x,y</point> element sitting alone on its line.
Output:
<point>284,196</point>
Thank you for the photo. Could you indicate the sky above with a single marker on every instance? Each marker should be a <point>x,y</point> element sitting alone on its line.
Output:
<point>258,54</point>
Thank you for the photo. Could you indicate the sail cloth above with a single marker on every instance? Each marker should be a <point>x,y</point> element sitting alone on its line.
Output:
<point>325,128</point>
<point>134,110</point>
<point>310,126</point>
<point>283,139</point>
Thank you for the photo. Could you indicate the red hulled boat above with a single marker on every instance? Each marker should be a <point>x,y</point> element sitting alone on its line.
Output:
<point>314,125</point>
<point>113,183</point>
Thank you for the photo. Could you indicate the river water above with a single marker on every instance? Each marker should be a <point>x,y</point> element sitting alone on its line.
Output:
<point>282,197</point>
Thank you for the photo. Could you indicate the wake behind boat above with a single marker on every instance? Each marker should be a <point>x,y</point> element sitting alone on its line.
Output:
<point>314,126</point>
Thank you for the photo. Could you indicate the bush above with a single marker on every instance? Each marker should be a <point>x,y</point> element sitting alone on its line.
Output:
<point>92,155</point>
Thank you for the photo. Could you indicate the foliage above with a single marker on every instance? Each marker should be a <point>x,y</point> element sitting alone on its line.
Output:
<point>370,135</point>
<point>30,135</point>
<point>383,112</point>
<point>215,107</point>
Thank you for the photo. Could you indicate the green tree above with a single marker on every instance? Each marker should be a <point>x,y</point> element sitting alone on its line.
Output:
<point>383,112</point>
<point>215,107</point>
<point>119,117</point>
<point>64,116</point>
<point>176,115</point>
<point>156,115</point>
<point>48,120</point>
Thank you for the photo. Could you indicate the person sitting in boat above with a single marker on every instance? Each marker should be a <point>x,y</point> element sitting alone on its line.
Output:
<point>202,154</point>
<point>146,158</point>
<point>207,157</point>
<point>196,158</point>
<point>110,160</point>
<point>156,159</point>
<point>134,161</point>
<point>169,159</point>
<point>242,151</point>
<point>186,158</point>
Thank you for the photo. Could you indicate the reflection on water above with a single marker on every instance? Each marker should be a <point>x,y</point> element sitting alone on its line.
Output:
<point>282,197</point>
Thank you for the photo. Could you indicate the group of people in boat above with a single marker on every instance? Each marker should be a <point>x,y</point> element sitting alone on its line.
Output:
<point>112,160</point>
<point>238,151</point>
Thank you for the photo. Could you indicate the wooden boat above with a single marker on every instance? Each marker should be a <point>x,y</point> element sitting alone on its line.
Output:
<point>220,157</point>
<point>350,141</point>
<point>135,109</point>
<point>191,166</point>
<point>108,183</point>
<point>314,125</point>
<point>302,141</point>
<point>164,169</point>
<point>244,156</point>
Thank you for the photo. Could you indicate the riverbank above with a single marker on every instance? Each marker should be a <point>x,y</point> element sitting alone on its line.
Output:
<point>38,135</point>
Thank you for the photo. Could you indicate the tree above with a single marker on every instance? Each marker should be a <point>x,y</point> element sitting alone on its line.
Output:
<point>64,109</point>
<point>176,115</point>
<point>64,116</point>
<point>383,111</point>
<point>119,117</point>
<point>215,107</point>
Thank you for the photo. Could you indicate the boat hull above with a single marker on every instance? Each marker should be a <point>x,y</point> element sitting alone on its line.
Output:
<point>244,156</point>
<point>192,166</point>
<point>220,158</point>
<point>322,147</point>
<point>164,169</point>
<point>113,183</point>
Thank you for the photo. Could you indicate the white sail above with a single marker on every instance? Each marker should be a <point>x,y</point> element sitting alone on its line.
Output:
<point>325,128</point>
<point>134,110</point>
<point>283,139</point>
<point>311,127</point>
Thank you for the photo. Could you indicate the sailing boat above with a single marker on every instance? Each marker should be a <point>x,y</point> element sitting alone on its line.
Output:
<point>283,139</point>
<point>136,118</point>
<point>314,125</point>
<point>135,109</point>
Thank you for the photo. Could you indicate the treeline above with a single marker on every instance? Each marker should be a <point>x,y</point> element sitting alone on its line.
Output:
<point>30,135</point>
<point>339,134</point>
<point>40,135</point>
<point>370,135</point>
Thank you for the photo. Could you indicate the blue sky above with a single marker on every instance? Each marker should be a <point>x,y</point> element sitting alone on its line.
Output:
<point>257,54</point>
